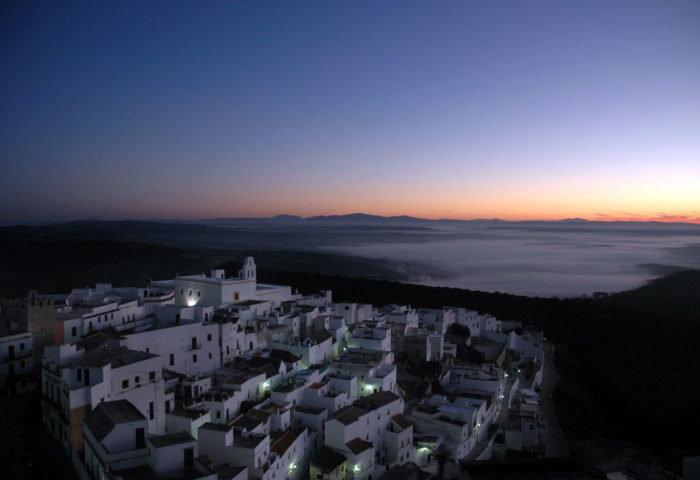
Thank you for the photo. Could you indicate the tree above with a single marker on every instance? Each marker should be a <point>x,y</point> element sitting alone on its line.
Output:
<point>442,456</point>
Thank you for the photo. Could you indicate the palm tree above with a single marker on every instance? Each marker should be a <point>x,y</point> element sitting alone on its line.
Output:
<point>442,456</point>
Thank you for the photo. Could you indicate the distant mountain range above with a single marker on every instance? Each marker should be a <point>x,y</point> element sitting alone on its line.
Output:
<point>348,219</point>
<point>368,219</point>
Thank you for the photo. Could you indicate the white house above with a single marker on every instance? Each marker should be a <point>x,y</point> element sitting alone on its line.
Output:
<point>188,348</point>
<point>378,338</point>
<point>217,290</point>
<point>75,382</point>
<point>115,438</point>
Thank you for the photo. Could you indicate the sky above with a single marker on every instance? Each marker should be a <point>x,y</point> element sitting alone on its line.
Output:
<point>436,109</point>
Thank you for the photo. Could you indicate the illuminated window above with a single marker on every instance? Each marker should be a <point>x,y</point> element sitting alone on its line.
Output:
<point>236,296</point>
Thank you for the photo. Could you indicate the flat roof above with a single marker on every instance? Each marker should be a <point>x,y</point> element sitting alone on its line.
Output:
<point>116,357</point>
<point>169,439</point>
<point>219,427</point>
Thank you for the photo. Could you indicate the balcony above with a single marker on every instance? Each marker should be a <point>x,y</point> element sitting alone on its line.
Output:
<point>195,346</point>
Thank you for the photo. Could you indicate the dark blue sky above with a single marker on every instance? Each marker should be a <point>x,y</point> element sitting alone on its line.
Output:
<point>536,109</point>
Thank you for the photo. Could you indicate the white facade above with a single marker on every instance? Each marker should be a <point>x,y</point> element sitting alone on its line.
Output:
<point>367,419</point>
<point>217,290</point>
<point>74,382</point>
<point>371,338</point>
<point>191,349</point>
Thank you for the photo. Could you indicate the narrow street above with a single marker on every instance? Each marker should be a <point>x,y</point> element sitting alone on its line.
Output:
<point>500,421</point>
<point>553,437</point>
<point>553,440</point>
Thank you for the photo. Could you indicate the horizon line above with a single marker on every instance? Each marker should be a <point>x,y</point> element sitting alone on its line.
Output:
<point>663,218</point>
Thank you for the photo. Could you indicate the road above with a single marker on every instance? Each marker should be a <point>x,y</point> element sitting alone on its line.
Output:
<point>553,440</point>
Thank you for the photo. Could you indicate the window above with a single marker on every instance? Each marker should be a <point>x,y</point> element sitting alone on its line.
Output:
<point>137,379</point>
<point>111,316</point>
<point>172,359</point>
<point>125,383</point>
<point>182,290</point>
<point>210,356</point>
<point>194,358</point>
<point>236,296</point>
<point>189,293</point>
<point>151,410</point>
<point>218,414</point>
<point>167,406</point>
<point>73,332</point>
<point>199,293</point>
<point>21,346</point>
<point>151,375</point>
<point>80,375</point>
<point>208,337</point>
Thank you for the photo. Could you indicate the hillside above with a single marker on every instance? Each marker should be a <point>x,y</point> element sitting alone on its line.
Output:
<point>676,296</point>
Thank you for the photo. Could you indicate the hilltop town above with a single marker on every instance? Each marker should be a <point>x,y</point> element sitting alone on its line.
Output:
<point>218,376</point>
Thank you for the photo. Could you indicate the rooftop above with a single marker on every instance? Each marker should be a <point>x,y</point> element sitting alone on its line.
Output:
<point>280,442</point>
<point>169,439</point>
<point>116,357</point>
<point>309,410</point>
<point>102,420</point>
<point>407,471</point>
<point>218,427</point>
<point>349,414</point>
<point>376,400</point>
<point>284,355</point>
<point>327,459</point>
<point>145,473</point>
<point>250,441</point>
<point>401,421</point>
<point>357,445</point>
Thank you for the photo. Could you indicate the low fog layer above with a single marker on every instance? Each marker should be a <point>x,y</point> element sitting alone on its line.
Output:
<point>544,259</point>
<point>568,258</point>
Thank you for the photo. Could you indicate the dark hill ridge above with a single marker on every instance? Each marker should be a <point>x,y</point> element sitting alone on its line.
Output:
<point>676,295</point>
